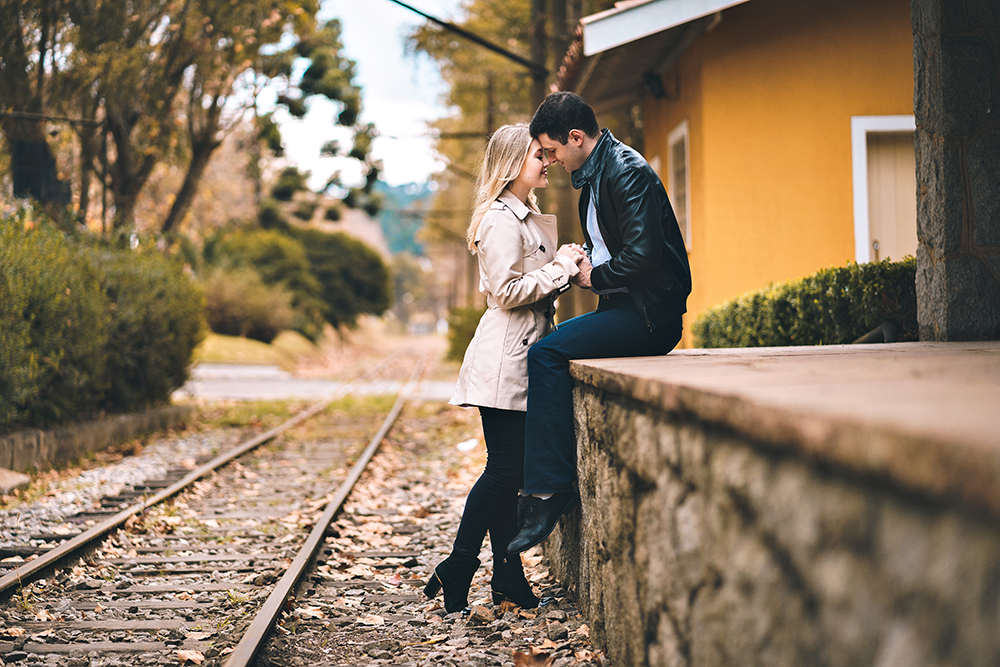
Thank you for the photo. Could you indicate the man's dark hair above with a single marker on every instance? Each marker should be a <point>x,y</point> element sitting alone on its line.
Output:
<point>561,112</point>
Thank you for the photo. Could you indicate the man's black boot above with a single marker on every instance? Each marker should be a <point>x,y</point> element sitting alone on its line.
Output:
<point>539,518</point>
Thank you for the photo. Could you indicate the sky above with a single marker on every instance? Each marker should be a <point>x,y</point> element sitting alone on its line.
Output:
<point>400,93</point>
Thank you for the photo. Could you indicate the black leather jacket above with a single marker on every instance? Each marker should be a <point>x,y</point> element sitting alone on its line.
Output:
<point>639,228</point>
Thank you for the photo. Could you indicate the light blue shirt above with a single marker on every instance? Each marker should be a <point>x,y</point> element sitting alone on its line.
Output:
<point>599,253</point>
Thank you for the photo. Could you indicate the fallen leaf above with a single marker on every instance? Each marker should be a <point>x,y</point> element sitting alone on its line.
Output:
<point>44,615</point>
<point>12,632</point>
<point>372,620</point>
<point>533,659</point>
<point>584,655</point>
<point>185,656</point>
<point>197,636</point>
<point>182,596</point>
<point>309,612</point>
<point>98,608</point>
<point>582,631</point>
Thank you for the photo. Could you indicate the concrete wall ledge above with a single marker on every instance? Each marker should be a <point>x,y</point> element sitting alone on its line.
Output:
<point>35,449</point>
<point>924,415</point>
<point>789,506</point>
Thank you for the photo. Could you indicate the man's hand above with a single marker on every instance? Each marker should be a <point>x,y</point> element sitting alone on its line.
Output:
<point>582,279</point>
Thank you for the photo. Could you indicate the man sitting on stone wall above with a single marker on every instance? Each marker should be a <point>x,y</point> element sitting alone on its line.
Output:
<point>637,265</point>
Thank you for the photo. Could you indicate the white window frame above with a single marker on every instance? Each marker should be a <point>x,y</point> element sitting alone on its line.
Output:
<point>861,126</point>
<point>681,132</point>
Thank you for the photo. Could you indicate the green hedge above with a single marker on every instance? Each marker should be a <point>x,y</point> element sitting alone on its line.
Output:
<point>53,326</point>
<point>157,320</point>
<point>834,306</point>
<point>85,328</point>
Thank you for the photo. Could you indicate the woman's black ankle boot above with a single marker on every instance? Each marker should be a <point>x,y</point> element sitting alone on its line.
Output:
<point>509,584</point>
<point>454,574</point>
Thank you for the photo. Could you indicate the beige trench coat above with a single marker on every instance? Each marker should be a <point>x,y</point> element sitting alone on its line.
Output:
<point>520,275</point>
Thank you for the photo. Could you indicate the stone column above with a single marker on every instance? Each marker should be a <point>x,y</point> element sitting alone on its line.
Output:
<point>956,63</point>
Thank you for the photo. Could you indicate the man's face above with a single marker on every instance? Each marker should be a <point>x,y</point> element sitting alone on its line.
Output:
<point>571,155</point>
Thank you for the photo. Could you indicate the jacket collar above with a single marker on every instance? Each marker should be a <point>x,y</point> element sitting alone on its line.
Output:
<point>594,162</point>
<point>519,208</point>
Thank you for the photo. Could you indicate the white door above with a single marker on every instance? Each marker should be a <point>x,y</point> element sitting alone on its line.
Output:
<point>892,195</point>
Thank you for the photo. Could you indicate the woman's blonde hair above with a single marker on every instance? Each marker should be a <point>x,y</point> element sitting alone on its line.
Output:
<point>505,154</point>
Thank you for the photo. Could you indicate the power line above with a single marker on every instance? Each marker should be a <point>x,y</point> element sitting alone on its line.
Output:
<point>533,66</point>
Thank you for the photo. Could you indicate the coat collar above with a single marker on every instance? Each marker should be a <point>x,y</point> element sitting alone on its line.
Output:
<point>519,208</point>
<point>594,162</point>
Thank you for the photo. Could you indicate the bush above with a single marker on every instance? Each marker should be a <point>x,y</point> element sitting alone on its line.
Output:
<point>462,323</point>
<point>279,260</point>
<point>353,277</point>
<point>834,306</point>
<point>238,303</point>
<point>53,326</point>
<point>157,320</point>
<point>84,328</point>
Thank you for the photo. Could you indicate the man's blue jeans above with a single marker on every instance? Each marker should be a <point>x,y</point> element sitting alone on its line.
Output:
<point>615,329</point>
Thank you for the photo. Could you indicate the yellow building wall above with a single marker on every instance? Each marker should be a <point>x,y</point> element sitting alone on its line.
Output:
<point>768,95</point>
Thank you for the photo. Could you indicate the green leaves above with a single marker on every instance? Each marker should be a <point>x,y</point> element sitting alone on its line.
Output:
<point>833,306</point>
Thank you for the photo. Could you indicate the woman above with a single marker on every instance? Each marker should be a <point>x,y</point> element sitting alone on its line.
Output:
<point>521,274</point>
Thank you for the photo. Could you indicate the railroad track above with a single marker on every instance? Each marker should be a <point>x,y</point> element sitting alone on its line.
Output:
<point>217,563</point>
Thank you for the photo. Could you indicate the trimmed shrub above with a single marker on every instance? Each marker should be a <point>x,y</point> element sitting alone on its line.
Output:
<point>279,260</point>
<point>157,320</point>
<point>834,306</point>
<point>462,323</point>
<point>238,303</point>
<point>354,279</point>
<point>85,327</point>
<point>53,326</point>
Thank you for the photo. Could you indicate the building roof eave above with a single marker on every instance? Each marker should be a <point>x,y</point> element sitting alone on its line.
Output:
<point>634,19</point>
<point>617,77</point>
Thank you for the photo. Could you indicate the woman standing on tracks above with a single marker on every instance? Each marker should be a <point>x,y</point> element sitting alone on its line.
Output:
<point>521,273</point>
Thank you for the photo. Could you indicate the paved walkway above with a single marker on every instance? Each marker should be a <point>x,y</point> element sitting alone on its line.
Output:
<point>260,383</point>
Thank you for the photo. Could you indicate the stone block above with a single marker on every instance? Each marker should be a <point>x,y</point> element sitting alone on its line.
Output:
<point>959,299</point>
<point>7,449</point>
<point>968,84</point>
<point>940,188</point>
<point>11,481</point>
<point>983,159</point>
<point>29,450</point>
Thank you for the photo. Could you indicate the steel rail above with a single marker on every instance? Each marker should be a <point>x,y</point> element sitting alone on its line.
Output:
<point>34,568</point>
<point>259,630</point>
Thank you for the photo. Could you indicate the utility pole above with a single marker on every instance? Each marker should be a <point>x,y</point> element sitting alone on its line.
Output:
<point>538,51</point>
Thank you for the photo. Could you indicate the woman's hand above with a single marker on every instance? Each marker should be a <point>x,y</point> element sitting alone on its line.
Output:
<point>573,251</point>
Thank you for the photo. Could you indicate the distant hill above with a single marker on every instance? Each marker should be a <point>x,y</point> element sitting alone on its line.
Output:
<point>401,217</point>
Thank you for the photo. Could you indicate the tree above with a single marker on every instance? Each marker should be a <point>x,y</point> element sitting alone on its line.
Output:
<point>161,80</point>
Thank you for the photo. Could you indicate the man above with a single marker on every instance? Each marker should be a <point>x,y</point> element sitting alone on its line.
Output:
<point>637,264</point>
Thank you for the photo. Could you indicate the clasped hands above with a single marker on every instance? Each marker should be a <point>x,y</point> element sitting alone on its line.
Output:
<point>576,253</point>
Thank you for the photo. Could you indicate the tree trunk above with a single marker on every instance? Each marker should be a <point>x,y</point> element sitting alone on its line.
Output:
<point>201,154</point>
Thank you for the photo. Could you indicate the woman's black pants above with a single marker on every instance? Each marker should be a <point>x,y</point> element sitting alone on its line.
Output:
<point>492,502</point>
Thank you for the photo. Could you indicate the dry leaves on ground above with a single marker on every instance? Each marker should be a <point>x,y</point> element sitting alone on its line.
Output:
<point>185,656</point>
<point>536,657</point>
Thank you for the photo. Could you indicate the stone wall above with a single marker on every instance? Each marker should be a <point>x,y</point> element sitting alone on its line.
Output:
<point>697,546</point>
<point>956,59</point>
<point>35,449</point>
